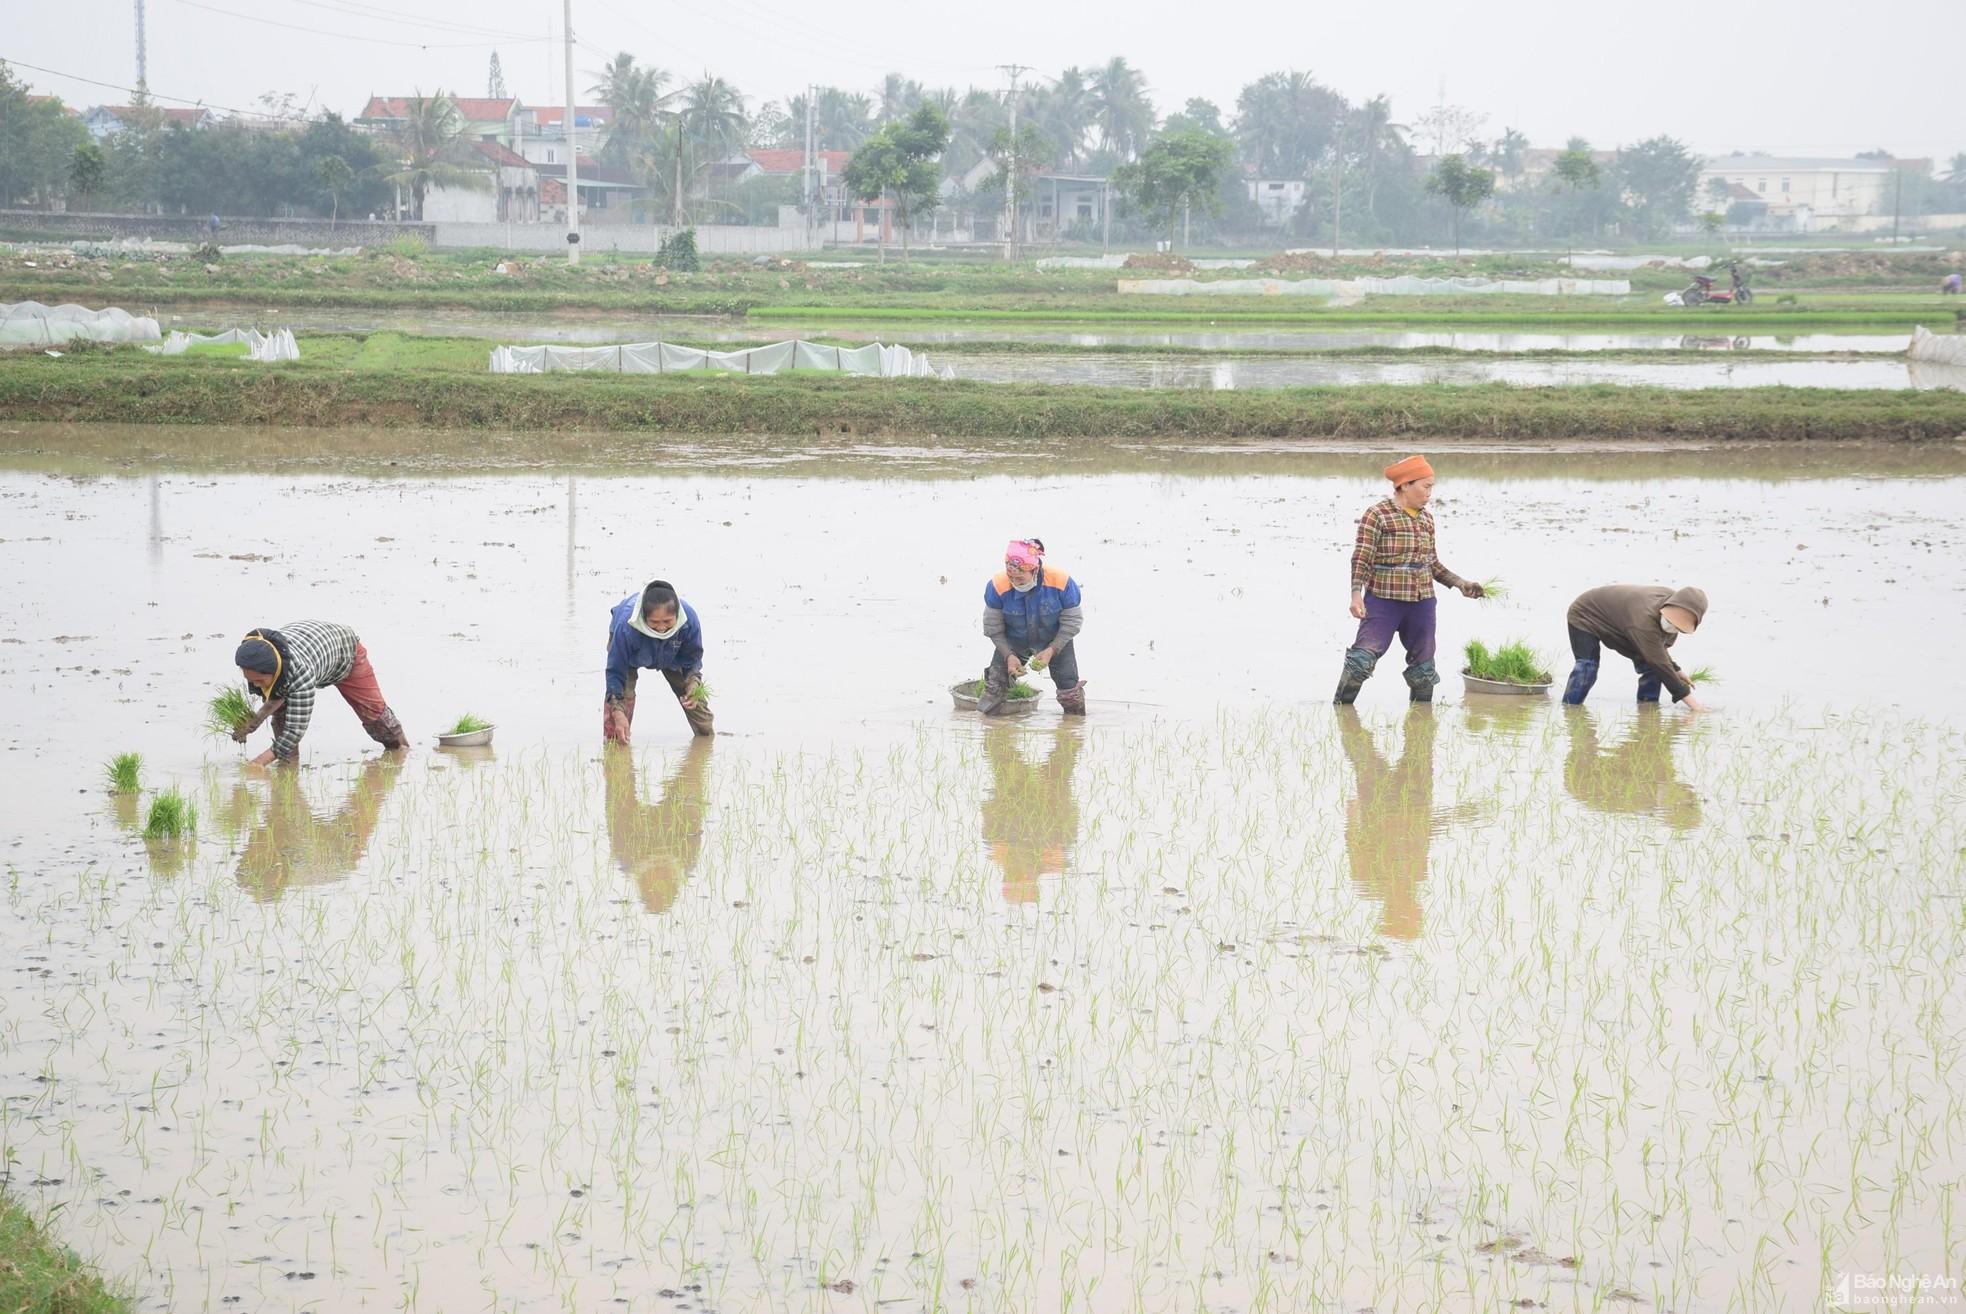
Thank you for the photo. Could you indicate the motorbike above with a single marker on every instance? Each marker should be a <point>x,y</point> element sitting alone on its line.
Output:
<point>1703,291</point>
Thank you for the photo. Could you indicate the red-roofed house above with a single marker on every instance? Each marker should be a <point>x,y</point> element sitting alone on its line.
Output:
<point>108,120</point>
<point>541,132</point>
<point>829,181</point>
<point>486,118</point>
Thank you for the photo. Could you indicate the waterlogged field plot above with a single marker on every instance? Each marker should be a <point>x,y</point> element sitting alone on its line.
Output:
<point>1467,1008</point>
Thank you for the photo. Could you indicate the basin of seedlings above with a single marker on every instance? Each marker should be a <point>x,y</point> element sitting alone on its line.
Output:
<point>1513,669</point>
<point>467,732</point>
<point>1023,698</point>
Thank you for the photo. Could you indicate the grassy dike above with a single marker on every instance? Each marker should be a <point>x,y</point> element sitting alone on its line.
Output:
<point>127,387</point>
<point>40,1276</point>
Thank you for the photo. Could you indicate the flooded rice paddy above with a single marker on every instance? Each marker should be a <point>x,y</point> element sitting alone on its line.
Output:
<point>1218,999</point>
<point>1222,374</point>
<point>601,327</point>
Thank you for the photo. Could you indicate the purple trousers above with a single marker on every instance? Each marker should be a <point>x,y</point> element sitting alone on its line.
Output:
<point>1413,622</point>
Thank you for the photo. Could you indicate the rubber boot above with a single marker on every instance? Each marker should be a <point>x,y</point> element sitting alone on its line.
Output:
<point>996,690</point>
<point>1648,687</point>
<point>1420,680</point>
<point>1356,671</point>
<point>387,730</point>
<point>1073,699</point>
<point>1582,676</point>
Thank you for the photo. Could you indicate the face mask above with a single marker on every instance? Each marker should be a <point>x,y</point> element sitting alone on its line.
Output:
<point>1668,626</point>
<point>669,633</point>
<point>1027,586</point>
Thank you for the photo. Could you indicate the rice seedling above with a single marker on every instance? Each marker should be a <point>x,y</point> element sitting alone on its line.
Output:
<point>1494,590</point>
<point>1513,663</point>
<point>124,772</point>
<point>700,692</point>
<point>468,724</point>
<point>229,708</point>
<point>172,816</point>
<point>1703,675</point>
<point>1018,690</point>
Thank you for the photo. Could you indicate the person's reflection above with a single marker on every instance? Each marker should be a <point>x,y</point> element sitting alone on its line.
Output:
<point>292,846</point>
<point>1390,825</point>
<point>1030,820</point>
<point>1635,777</point>
<point>657,844</point>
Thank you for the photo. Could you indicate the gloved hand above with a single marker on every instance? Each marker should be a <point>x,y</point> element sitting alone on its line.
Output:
<point>1473,590</point>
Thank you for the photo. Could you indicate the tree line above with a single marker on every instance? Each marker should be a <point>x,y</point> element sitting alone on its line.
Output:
<point>1365,176</point>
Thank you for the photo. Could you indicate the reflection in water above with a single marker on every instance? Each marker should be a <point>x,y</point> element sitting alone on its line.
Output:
<point>292,846</point>
<point>1637,776</point>
<point>657,844</point>
<point>1502,716</point>
<point>156,521</point>
<point>1030,820</point>
<point>573,516</point>
<point>1391,824</point>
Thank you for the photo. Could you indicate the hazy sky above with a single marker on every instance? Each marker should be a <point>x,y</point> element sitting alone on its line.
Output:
<point>1796,77</point>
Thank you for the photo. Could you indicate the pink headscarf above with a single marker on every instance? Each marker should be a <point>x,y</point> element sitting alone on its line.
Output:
<point>1022,552</point>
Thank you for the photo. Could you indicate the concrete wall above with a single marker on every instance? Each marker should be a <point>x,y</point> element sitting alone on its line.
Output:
<point>711,239</point>
<point>191,228</point>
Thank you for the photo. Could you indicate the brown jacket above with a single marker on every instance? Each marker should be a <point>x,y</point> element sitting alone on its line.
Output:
<point>1625,619</point>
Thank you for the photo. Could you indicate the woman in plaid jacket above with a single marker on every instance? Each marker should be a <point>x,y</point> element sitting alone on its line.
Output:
<point>1394,569</point>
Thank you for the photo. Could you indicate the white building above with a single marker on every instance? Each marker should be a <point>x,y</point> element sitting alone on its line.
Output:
<point>1807,194</point>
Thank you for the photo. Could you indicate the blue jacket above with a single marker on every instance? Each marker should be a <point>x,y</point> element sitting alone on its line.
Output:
<point>1032,618</point>
<point>629,649</point>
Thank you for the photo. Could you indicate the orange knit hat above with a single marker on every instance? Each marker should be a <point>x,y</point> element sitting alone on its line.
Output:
<point>1405,472</point>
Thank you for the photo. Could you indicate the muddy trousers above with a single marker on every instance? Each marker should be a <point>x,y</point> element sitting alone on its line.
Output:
<point>618,715</point>
<point>1414,624</point>
<point>364,694</point>
<point>1064,672</point>
<point>1588,652</point>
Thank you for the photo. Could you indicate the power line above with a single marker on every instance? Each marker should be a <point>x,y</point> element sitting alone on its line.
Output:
<point>347,36</point>
<point>375,13</point>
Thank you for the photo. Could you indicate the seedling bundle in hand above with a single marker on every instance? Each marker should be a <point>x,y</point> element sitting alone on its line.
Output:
<point>229,709</point>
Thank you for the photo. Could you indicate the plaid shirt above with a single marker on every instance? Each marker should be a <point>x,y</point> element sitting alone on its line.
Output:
<point>1395,557</point>
<point>319,654</point>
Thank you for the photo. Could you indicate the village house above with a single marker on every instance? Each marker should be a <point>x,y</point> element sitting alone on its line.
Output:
<point>512,197</point>
<point>1809,194</point>
<point>1050,204</point>
<point>1277,200</point>
<point>105,121</point>
<point>540,133</point>
<point>486,118</point>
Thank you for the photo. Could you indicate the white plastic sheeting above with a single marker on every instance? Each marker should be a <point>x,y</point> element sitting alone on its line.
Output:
<point>1404,285</point>
<point>1939,348</point>
<point>873,359</point>
<point>29,323</point>
<point>277,345</point>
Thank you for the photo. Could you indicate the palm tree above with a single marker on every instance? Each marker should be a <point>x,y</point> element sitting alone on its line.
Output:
<point>1285,122</point>
<point>1063,112</point>
<point>434,145</point>
<point>635,95</point>
<point>974,121</point>
<point>899,97</point>
<point>710,125</point>
<point>1121,110</point>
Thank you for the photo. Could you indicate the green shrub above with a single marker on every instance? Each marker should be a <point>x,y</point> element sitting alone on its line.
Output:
<point>678,252</point>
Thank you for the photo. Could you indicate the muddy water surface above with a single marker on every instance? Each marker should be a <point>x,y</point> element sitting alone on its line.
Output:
<point>1216,995</point>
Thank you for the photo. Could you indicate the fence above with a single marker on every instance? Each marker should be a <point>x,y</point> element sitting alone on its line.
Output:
<point>711,239</point>
<point>873,359</point>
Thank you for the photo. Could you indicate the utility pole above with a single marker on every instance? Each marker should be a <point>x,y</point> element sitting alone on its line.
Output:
<point>1010,179</point>
<point>1897,200</point>
<point>573,152</point>
<point>812,187</point>
<point>143,60</point>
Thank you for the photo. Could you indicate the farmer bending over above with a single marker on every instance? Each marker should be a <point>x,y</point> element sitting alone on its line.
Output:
<point>1638,621</point>
<point>654,630</point>
<point>1394,567</point>
<point>289,664</point>
<point>1031,614</point>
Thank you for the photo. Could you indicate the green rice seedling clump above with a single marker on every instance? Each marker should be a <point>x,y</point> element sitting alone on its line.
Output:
<point>1018,691</point>
<point>468,724</point>
<point>700,691</point>
<point>1494,590</point>
<point>1514,662</point>
<point>125,772</point>
<point>172,816</point>
<point>228,710</point>
<point>1702,675</point>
